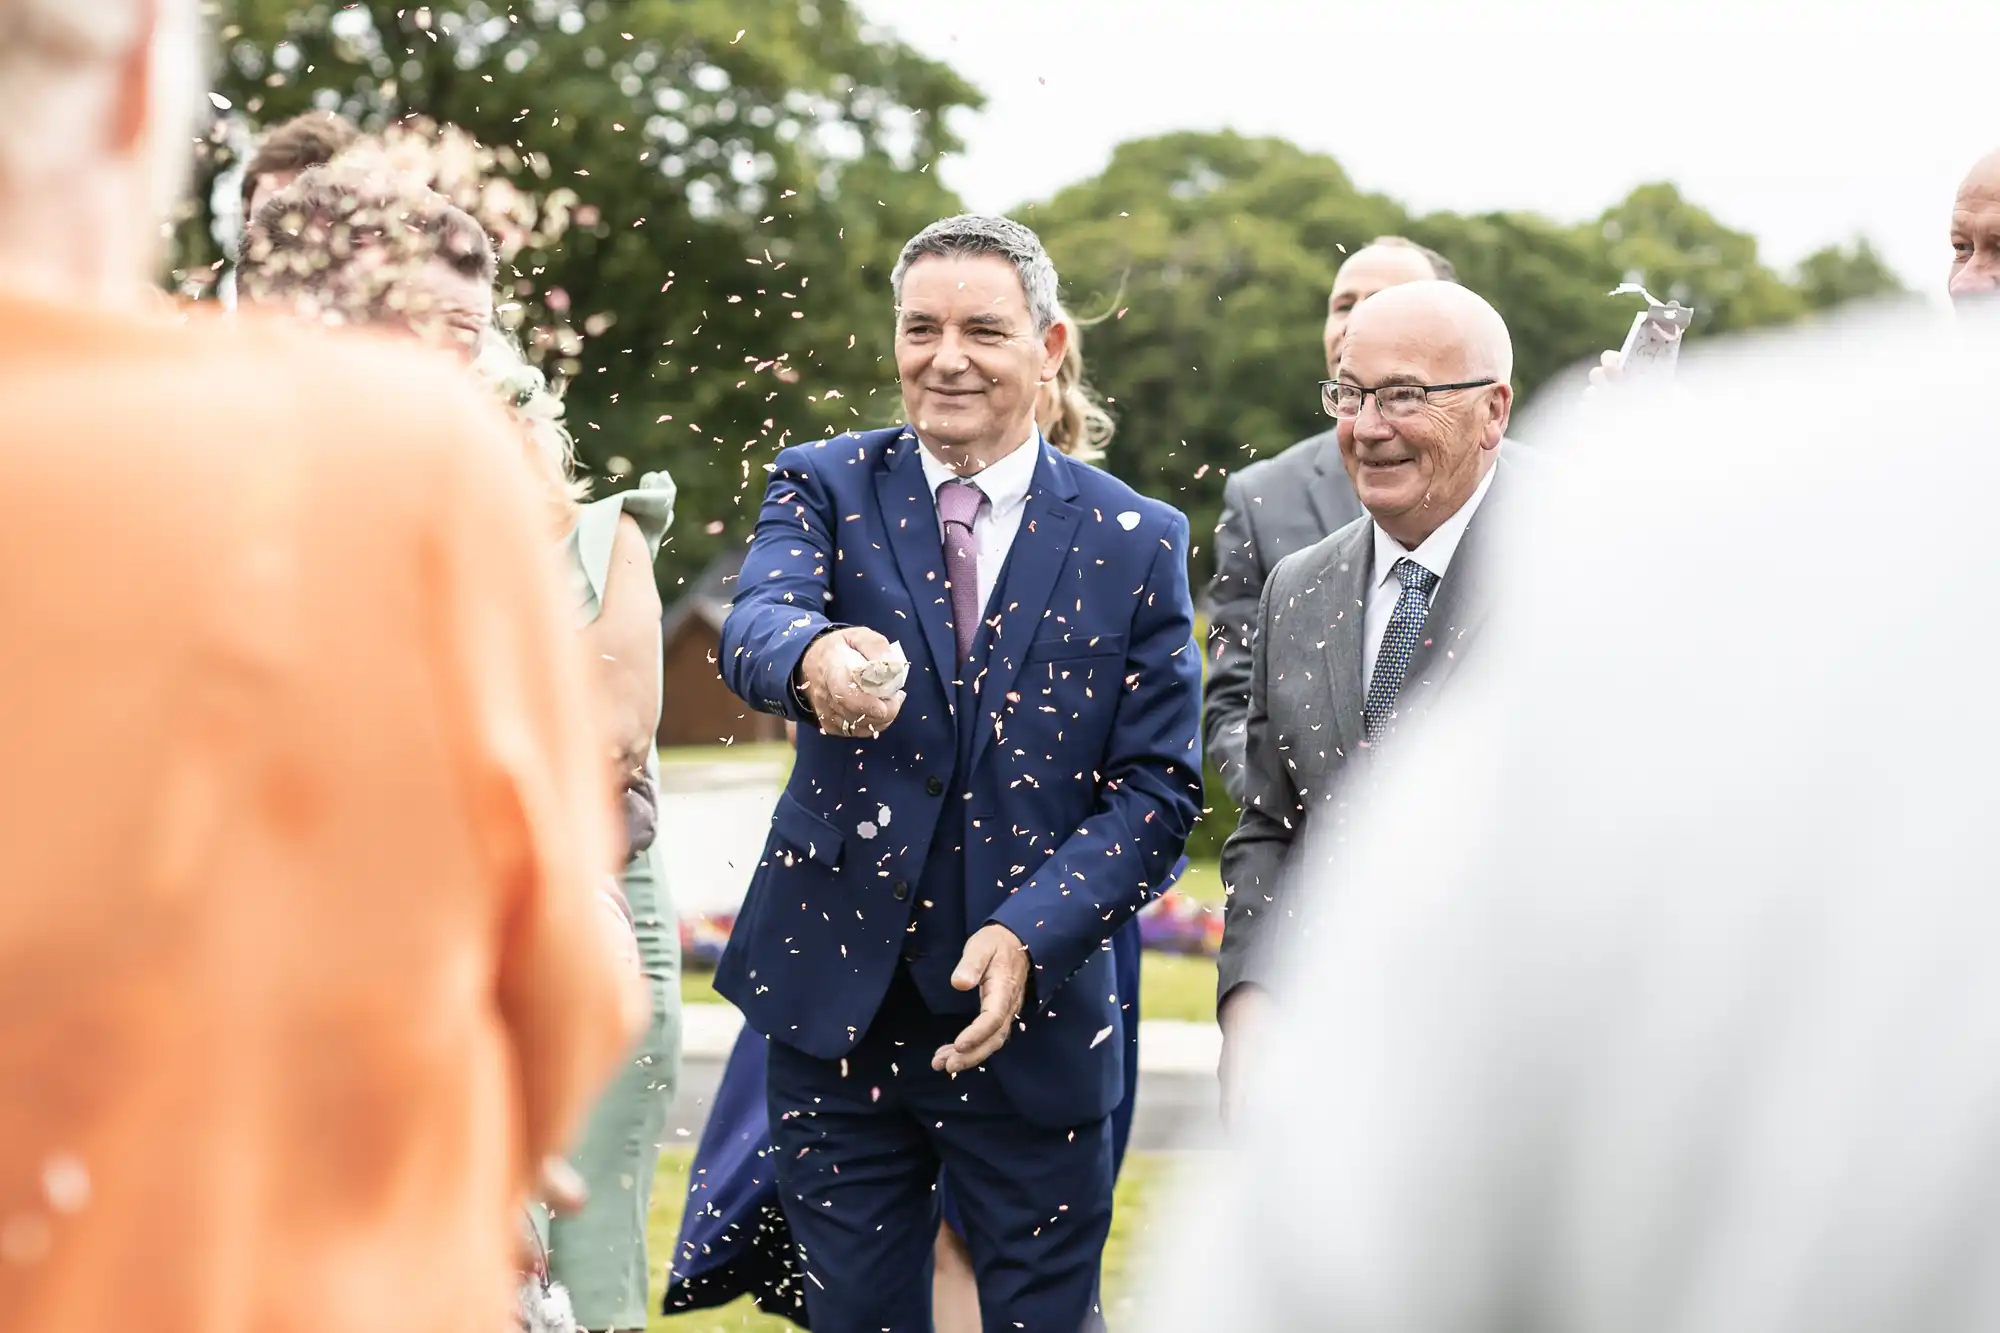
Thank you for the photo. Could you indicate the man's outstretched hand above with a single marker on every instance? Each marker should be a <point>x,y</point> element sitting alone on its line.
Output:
<point>828,678</point>
<point>995,963</point>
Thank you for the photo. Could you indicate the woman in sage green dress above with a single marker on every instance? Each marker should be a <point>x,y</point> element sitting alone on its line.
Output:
<point>599,1253</point>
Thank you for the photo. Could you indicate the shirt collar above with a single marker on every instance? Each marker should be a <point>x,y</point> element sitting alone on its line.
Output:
<point>1005,481</point>
<point>1436,551</point>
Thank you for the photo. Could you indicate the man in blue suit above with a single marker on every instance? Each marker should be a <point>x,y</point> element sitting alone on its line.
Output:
<point>925,940</point>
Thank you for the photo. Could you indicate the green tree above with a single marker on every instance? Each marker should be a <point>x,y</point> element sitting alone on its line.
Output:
<point>1210,257</point>
<point>1839,274</point>
<point>1213,255</point>
<point>746,170</point>
<point>1682,253</point>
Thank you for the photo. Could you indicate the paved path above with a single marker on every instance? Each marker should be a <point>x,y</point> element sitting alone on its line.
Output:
<point>713,821</point>
<point>1177,1093</point>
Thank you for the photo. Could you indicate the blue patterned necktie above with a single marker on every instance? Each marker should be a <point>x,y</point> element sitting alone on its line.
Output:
<point>1399,644</point>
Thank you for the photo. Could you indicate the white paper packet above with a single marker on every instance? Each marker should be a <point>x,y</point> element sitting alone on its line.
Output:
<point>884,676</point>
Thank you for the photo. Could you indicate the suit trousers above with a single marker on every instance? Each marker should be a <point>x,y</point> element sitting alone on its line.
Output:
<point>858,1145</point>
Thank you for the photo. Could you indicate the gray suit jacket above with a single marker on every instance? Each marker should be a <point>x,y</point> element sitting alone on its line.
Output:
<point>1304,755</point>
<point>1270,509</point>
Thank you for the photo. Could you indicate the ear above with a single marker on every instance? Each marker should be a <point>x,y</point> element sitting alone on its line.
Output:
<point>133,110</point>
<point>1501,407</point>
<point>1055,345</point>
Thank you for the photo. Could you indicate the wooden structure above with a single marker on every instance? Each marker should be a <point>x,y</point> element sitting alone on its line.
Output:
<point>697,708</point>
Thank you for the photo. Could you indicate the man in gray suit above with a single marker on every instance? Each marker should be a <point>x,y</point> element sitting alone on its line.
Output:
<point>1283,504</point>
<point>1358,631</point>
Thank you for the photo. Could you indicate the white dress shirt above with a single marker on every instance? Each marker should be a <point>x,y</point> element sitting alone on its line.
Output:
<point>1006,483</point>
<point>1385,589</point>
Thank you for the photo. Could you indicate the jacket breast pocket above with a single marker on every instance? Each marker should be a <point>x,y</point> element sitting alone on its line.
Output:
<point>801,833</point>
<point>1074,647</point>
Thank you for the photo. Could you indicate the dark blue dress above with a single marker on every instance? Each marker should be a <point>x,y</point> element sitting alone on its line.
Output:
<point>734,1240</point>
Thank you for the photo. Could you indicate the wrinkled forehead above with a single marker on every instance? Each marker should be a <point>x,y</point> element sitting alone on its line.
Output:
<point>1977,212</point>
<point>1979,193</point>
<point>1404,345</point>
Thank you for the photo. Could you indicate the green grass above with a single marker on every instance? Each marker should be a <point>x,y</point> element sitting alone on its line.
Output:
<point>1176,986</point>
<point>1141,1186</point>
<point>1170,986</point>
<point>698,986</point>
<point>755,752</point>
<point>1202,880</point>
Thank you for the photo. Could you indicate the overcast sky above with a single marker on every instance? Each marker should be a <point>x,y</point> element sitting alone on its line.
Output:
<point>1802,122</point>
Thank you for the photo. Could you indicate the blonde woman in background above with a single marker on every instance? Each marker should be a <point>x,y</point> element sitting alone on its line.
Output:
<point>1070,414</point>
<point>745,1248</point>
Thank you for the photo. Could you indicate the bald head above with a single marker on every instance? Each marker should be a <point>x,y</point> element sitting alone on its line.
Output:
<point>1434,361</point>
<point>1386,262</point>
<point>1449,326</point>
<point>1975,237</point>
<point>1984,176</point>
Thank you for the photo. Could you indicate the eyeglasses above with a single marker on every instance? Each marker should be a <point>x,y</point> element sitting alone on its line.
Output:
<point>1392,400</point>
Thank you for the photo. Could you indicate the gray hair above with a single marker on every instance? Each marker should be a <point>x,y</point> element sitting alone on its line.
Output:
<point>983,234</point>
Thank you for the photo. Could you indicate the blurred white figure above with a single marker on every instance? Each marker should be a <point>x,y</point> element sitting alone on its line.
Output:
<point>1663,997</point>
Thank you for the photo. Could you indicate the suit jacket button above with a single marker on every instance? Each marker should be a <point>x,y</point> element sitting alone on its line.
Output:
<point>899,890</point>
<point>935,786</point>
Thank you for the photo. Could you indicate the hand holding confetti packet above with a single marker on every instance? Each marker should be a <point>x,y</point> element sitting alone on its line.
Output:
<point>886,674</point>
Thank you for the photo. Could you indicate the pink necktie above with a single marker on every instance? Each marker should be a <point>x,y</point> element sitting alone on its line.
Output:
<point>958,505</point>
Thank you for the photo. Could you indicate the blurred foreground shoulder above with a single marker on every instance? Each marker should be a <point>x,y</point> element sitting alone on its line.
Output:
<point>375,402</point>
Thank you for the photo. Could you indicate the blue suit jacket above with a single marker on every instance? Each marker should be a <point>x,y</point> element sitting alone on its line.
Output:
<point>1078,778</point>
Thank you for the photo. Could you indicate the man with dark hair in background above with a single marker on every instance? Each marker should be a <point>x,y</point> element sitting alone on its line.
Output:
<point>293,148</point>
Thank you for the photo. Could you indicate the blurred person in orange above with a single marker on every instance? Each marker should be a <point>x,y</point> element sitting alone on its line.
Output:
<point>296,1012</point>
<point>366,243</point>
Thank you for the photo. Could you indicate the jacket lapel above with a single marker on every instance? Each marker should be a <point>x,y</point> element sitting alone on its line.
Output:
<point>1331,493</point>
<point>1463,599</point>
<point>909,516</point>
<point>1343,587</point>
<point>1027,582</point>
